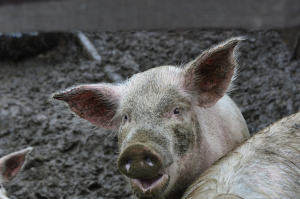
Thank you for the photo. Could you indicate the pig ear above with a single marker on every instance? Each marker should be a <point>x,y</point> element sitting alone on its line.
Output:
<point>11,164</point>
<point>96,103</point>
<point>210,74</point>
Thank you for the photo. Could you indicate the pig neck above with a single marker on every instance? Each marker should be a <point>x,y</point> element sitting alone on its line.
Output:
<point>222,129</point>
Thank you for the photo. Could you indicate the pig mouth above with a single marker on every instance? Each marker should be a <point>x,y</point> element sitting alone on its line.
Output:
<point>150,187</point>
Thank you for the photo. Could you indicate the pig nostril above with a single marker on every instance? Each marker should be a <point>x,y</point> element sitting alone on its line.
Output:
<point>128,164</point>
<point>148,160</point>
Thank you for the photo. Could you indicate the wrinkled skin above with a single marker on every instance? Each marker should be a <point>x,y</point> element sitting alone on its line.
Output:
<point>172,122</point>
<point>265,166</point>
<point>10,165</point>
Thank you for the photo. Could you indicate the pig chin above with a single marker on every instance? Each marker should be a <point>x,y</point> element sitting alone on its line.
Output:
<point>151,188</point>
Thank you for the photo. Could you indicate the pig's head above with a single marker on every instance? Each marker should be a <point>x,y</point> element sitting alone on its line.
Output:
<point>168,123</point>
<point>10,165</point>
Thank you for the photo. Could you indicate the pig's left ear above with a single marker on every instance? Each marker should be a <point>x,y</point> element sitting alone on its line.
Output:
<point>11,164</point>
<point>210,74</point>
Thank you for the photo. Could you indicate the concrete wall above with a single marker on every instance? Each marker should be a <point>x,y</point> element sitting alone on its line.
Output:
<point>63,15</point>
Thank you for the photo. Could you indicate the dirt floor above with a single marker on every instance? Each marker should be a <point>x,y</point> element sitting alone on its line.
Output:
<point>72,159</point>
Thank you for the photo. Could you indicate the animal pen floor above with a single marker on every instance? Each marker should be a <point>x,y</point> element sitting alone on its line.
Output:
<point>71,158</point>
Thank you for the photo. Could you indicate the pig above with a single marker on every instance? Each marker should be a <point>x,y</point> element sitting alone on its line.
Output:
<point>267,165</point>
<point>173,122</point>
<point>10,165</point>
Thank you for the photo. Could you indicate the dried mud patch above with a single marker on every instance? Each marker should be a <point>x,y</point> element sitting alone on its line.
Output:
<point>72,159</point>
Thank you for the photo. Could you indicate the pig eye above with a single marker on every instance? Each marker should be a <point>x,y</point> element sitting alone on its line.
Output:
<point>125,117</point>
<point>176,111</point>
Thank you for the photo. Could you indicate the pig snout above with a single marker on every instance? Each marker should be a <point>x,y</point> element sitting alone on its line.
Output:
<point>138,161</point>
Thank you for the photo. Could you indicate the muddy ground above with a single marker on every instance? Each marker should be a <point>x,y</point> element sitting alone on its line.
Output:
<point>72,159</point>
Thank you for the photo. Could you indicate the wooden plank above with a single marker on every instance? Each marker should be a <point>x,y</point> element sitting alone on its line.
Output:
<point>291,37</point>
<point>2,2</point>
<point>64,15</point>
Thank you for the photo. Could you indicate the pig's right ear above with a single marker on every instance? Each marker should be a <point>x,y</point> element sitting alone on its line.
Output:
<point>209,76</point>
<point>97,103</point>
